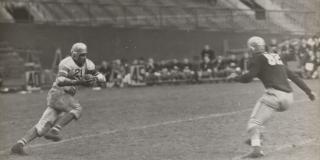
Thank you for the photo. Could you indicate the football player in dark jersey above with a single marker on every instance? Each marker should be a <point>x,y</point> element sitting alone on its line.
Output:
<point>274,75</point>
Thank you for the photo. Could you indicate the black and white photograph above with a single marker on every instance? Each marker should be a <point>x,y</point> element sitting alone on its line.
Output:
<point>159,79</point>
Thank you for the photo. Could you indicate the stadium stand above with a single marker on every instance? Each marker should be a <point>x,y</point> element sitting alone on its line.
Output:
<point>177,16</point>
<point>188,14</point>
<point>10,61</point>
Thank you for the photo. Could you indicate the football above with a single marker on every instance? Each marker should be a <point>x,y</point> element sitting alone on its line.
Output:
<point>90,78</point>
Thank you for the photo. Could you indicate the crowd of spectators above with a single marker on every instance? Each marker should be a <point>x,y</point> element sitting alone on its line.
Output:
<point>209,66</point>
<point>305,51</point>
<point>148,71</point>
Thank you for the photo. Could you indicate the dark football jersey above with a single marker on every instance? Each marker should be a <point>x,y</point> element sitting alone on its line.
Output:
<point>270,69</point>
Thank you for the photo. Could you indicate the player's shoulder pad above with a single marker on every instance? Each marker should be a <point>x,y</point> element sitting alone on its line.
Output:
<point>90,65</point>
<point>66,61</point>
<point>65,64</point>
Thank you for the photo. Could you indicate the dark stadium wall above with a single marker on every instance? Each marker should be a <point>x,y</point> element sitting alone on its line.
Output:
<point>107,43</point>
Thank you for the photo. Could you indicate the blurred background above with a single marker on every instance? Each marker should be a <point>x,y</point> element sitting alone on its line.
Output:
<point>144,42</point>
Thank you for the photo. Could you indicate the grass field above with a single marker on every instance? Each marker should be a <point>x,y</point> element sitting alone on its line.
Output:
<point>186,122</point>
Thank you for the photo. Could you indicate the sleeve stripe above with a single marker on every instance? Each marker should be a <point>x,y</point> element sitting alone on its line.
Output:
<point>63,73</point>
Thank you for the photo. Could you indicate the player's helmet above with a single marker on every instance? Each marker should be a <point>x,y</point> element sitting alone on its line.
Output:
<point>79,52</point>
<point>256,44</point>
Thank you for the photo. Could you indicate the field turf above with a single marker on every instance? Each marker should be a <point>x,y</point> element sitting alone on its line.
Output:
<point>184,122</point>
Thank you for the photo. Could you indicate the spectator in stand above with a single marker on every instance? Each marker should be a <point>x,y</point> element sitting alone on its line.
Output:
<point>309,65</point>
<point>151,71</point>
<point>302,52</point>
<point>208,52</point>
<point>206,68</point>
<point>187,69</point>
<point>232,65</point>
<point>186,64</point>
<point>162,64</point>
<point>165,75</point>
<point>316,46</point>
<point>311,42</point>
<point>173,68</point>
<point>273,47</point>
<point>106,70</point>
<point>287,52</point>
<point>150,66</point>
<point>316,70</point>
<point>244,63</point>
<point>219,66</point>
<point>171,64</point>
<point>117,74</point>
<point>176,73</point>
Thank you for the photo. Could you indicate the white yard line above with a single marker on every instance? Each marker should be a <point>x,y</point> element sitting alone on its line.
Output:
<point>95,99</point>
<point>107,132</point>
<point>143,127</point>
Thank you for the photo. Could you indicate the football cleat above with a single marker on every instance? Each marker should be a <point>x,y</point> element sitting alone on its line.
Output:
<point>248,141</point>
<point>255,153</point>
<point>52,136</point>
<point>18,149</point>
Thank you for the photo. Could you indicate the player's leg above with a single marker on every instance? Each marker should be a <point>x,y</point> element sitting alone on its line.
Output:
<point>43,126</point>
<point>72,111</point>
<point>30,135</point>
<point>259,117</point>
<point>62,122</point>
<point>261,114</point>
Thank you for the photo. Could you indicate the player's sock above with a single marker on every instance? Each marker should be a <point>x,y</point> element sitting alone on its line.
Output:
<point>255,140</point>
<point>63,121</point>
<point>28,137</point>
<point>255,136</point>
<point>55,129</point>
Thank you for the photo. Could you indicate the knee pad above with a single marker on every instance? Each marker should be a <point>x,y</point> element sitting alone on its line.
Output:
<point>46,121</point>
<point>76,111</point>
<point>254,124</point>
<point>43,128</point>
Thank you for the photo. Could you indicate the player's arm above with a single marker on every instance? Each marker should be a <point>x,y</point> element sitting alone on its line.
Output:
<point>63,80</point>
<point>300,83</point>
<point>98,78</point>
<point>92,70</point>
<point>253,71</point>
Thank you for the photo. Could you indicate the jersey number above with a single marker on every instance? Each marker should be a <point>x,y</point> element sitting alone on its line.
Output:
<point>78,73</point>
<point>273,59</point>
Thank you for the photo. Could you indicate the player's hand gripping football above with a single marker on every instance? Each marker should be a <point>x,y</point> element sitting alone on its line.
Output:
<point>87,80</point>
<point>312,96</point>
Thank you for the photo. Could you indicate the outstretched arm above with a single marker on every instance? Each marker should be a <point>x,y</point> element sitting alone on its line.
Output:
<point>300,83</point>
<point>253,71</point>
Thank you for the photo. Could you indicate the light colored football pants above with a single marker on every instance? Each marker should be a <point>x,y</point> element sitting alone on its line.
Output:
<point>273,100</point>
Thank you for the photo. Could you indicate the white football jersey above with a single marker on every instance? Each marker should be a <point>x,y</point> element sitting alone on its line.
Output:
<point>71,70</point>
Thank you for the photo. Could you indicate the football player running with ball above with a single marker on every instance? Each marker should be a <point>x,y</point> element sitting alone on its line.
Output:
<point>62,107</point>
<point>274,75</point>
